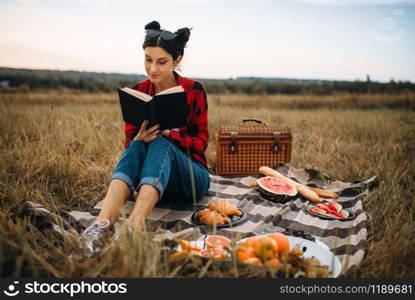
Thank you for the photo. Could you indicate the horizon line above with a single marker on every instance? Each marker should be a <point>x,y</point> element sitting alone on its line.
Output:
<point>214,78</point>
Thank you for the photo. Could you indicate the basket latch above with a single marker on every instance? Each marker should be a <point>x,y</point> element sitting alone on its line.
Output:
<point>232,146</point>
<point>276,141</point>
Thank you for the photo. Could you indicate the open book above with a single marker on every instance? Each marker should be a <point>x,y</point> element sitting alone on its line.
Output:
<point>167,108</point>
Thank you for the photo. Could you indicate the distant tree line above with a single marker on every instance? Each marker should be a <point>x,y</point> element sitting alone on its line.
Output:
<point>27,79</point>
<point>50,79</point>
<point>316,88</point>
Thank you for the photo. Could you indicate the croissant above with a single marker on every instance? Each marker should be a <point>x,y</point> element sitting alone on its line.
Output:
<point>208,216</point>
<point>224,207</point>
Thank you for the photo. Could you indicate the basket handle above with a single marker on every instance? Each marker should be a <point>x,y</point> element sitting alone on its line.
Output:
<point>253,120</point>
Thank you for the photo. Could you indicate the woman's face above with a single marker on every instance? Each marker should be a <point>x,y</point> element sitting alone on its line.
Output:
<point>159,64</point>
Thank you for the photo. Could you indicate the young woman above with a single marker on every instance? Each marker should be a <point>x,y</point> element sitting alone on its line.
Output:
<point>162,166</point>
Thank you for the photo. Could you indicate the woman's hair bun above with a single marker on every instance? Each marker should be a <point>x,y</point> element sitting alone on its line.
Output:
<point>152,25</point>
<point>183,35</point>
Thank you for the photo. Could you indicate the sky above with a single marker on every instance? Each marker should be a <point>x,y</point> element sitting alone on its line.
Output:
<point>308,39</point>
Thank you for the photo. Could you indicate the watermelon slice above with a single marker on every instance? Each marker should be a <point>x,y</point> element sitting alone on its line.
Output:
<point>275,189</point>
<point>335,207</point>
<point>330,209</point>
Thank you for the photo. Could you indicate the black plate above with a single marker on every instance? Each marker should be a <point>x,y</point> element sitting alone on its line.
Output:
<point>235,220</point>
<point>351,216</point>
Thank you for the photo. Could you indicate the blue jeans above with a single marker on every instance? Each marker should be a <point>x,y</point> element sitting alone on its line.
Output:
<point>177,177</point>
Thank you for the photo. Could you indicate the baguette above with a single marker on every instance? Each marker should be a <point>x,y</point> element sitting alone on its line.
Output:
<point>323,193</point>
<point>302,189</point>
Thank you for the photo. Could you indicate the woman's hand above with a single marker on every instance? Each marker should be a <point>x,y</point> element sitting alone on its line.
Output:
<point>147,136</point>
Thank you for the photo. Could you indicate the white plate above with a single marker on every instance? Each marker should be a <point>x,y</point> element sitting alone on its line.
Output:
<point>318,250</point>
<point>315,249</point>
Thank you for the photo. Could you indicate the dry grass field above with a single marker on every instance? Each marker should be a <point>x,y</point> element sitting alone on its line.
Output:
<point>58,148</point>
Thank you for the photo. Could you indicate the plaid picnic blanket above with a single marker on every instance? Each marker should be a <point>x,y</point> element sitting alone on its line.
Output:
<point>346,239</point>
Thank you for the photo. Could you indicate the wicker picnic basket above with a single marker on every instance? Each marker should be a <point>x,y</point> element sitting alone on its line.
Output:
<point>242,149</point>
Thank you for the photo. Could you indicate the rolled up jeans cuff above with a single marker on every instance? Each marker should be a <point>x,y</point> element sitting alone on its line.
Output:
<point>154,182</point>
<point>124,177</point>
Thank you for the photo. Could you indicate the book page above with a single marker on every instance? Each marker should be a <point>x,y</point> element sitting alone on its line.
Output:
<point>138,94</point>
<point>175,89</point>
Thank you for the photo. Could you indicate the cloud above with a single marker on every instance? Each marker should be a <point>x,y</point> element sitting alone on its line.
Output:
<point>106,3</point>
<point>97,3</point>
<point>195,2</point>
<point>358,2</point>
<point>28,1</point>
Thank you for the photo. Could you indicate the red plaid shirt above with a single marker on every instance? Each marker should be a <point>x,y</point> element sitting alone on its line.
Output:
<point>192,138</point>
